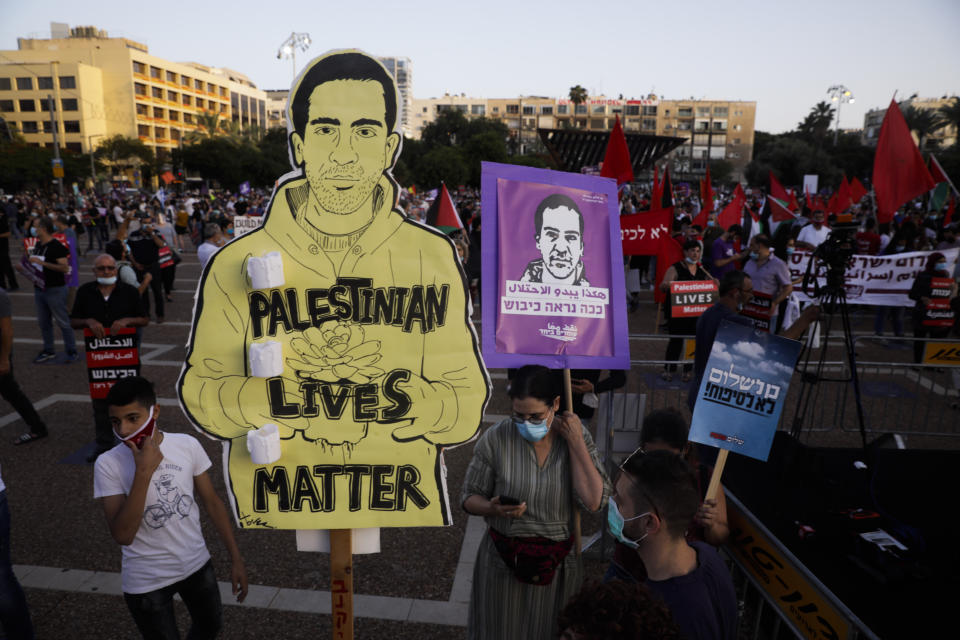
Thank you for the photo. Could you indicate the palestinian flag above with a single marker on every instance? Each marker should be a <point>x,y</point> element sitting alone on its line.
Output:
<point>442,214</point>
<point>779,209</point>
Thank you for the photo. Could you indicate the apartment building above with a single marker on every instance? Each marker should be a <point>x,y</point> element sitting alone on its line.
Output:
<point>100,86</point>
<point>945,136</point>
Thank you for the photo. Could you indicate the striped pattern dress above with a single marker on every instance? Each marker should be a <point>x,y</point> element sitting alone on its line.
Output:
<point>502,607</point>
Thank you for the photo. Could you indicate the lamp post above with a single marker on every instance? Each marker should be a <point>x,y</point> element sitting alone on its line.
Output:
<point>839,94</point>
<point>93,171</point>
<point>288,48</point>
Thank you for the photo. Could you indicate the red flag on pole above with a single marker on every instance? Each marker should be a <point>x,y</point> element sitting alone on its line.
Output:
<point>442,214</point>
<point>899,172</point>
<point>733,212</point>
<point>778,210</point>
<point>668,253</point>
<point>857,191</point>
<point>706,193</point>
<point>655,196</point>
<point>938,174</point>
<point>616,161</point>
<point>666,192</point>
<point>777,190</point>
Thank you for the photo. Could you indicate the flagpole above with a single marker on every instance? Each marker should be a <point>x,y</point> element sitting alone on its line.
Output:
<point>568,391</point>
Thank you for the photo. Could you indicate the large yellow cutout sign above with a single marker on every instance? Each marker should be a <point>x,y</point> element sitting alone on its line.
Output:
<point>342,323</point>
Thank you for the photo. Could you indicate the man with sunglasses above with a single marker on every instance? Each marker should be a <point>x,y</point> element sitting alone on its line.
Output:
<point>104,306</point>
<point>654,501</point>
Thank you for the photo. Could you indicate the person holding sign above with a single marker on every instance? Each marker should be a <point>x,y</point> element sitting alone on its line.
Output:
<point>687,270</point>
<point>771,282</point>
<point>933,290</point>
<point>655,499</point>
<point>527,475</point>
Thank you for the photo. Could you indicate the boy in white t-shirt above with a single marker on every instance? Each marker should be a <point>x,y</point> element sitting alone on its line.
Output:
<point>148,485</point>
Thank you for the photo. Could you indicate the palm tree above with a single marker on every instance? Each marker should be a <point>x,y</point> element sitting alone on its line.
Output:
<point>208,127</point>
<point>578,95</point>
<point>950,114</point>
<point>816,125</point>
<point>923,122</point>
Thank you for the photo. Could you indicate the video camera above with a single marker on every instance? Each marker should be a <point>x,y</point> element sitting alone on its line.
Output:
<point>834,254</point>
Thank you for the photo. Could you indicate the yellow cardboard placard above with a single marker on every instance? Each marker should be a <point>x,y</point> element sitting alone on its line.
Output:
<point>942,354</point>
<point>380,366</point>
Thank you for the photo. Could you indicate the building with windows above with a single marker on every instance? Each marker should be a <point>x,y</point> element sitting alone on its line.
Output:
<point>88,86</point>
<point>402,72</point>
<point>712,129</point>
<point>945,136</point>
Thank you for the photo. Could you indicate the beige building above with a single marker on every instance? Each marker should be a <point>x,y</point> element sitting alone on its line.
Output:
<point>712,129</point>
<point>943,137</point>
<point>102,86</point>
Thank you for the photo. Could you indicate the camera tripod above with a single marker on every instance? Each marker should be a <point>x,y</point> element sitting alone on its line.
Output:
<point>833,302</point>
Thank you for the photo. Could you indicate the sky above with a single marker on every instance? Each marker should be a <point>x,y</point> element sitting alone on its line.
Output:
<point>783,55</point>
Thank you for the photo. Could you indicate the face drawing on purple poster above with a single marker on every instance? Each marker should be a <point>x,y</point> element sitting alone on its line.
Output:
<point>559,238</point>
<point>553,308</point>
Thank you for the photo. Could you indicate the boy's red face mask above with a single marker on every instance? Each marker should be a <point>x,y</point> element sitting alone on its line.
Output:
<point>142,433</point>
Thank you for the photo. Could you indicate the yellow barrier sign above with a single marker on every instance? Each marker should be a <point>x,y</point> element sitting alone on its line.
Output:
<point>689,349</point>
<point>942,354</point>
<point>800,600</point>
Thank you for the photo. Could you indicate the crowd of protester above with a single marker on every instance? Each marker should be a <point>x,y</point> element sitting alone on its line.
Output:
<point>530,473</point>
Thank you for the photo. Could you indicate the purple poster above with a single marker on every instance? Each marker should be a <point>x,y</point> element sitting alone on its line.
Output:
<point>552,286</point>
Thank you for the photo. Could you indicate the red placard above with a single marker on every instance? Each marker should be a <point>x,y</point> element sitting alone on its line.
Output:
<point>939,313</point>
<point>690,298</point>
<point>110,358</point>
<point>758,310</point>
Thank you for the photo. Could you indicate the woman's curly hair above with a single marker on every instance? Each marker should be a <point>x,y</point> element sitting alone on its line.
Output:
<point>617,610</point>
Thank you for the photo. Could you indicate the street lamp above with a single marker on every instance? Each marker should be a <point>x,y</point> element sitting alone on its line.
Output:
<point>288,48</point>
<point>93,172</point>
<point>839,94</point>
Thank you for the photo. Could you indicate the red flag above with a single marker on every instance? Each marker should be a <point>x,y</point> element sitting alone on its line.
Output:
<point>666,192</point>
<point>899,172</point>
<point>733,212</point>
<point>655,195</point>
<point>442,214</point>
<point>668,253</point>
<point>706,193</point>
<point>778,210</point>
<point>167,177</point>
<point>843,195</point>
<point>793,204</point>
<point>857,191</point>
<point>938,174</point>
<point>777,190</point>
<point>641,233</point>
<point>616,161</point>
<point>951,210</point>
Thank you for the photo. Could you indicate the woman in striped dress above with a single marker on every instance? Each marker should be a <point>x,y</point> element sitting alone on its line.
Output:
<point>546,464</point>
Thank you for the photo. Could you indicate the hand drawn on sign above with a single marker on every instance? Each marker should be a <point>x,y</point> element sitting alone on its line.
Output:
<point>559,238</point>
<point>340,321</point>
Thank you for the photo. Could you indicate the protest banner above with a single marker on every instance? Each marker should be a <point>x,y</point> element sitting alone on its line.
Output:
<point>110,358</point>
<point>245,224</point>
<point>938,312</point>
<point>690,298</point>
<point>742,394</point>
<point>877,280</point>
<point>640,233</point>
<point>553,289</point>
<point>758,310</point>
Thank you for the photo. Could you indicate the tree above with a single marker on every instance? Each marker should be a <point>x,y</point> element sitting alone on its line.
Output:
<point>816,125</point>
<point>950,114</point>
<point>720,170</point>
<point>791,158</point>
<point>578,95</point>
<point>922,122</point>
<point>208,127</point>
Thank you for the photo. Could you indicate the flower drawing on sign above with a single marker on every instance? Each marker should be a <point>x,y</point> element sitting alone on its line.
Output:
<point>336,352</point>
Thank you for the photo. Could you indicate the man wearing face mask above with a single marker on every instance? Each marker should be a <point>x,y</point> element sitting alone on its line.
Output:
<point>105,306</point>
<point>655,499</point>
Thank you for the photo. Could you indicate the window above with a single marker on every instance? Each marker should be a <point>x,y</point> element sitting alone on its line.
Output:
<point>68,82</point>
<point>581,109</point>
<point>198,85</point>
<point>600,108</point>
<point>157,112</point>
<point>173,96</point>
<point>47,126</point>
<point>703,112</point>
<point>223,92</point>
<point>4,84</point>
<point>171,76</point>
<point>738,113</point>
<point>513,108</point>
<point>529,111</point>
<point>139,67</point>
<point>45,82</point>
<point>737,127</point>
<point>496,109</point>
<point>188,118</point>
<point>199,103</point>
<point>187,100</point>
<point>597,123</point>
<point>633,109</point>
<point>720,111</point>
<point>175,116</point>
<point>223,109</point>
<point>71,126</point>
<point>140,89</point>
<point>143,131</point>
<point>478,109</point>
<point>143,110</point>
<point>175,135</point>
<point>155,72</point>
<point>24,84</point>
<point>74,147</point>
<point>28,127</point>
<point>185,81</point>
<point>684,112</point>
<point>563,110</point>
<point>649,124</point>
<point>683,126</point>
<point>68,104</point>
<point>28,105</point>
<point>6,105</point>
<point>666,113</point>
<point>462,108</point>
<point>424,109</point>
<point>650,110</point>
<point>736,141</point>
<point>161,133</point>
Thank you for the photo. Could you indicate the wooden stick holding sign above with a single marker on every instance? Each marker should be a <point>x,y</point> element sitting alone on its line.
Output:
<point>714,485</point>
<point>568,392</point>
<point>341,583</point>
